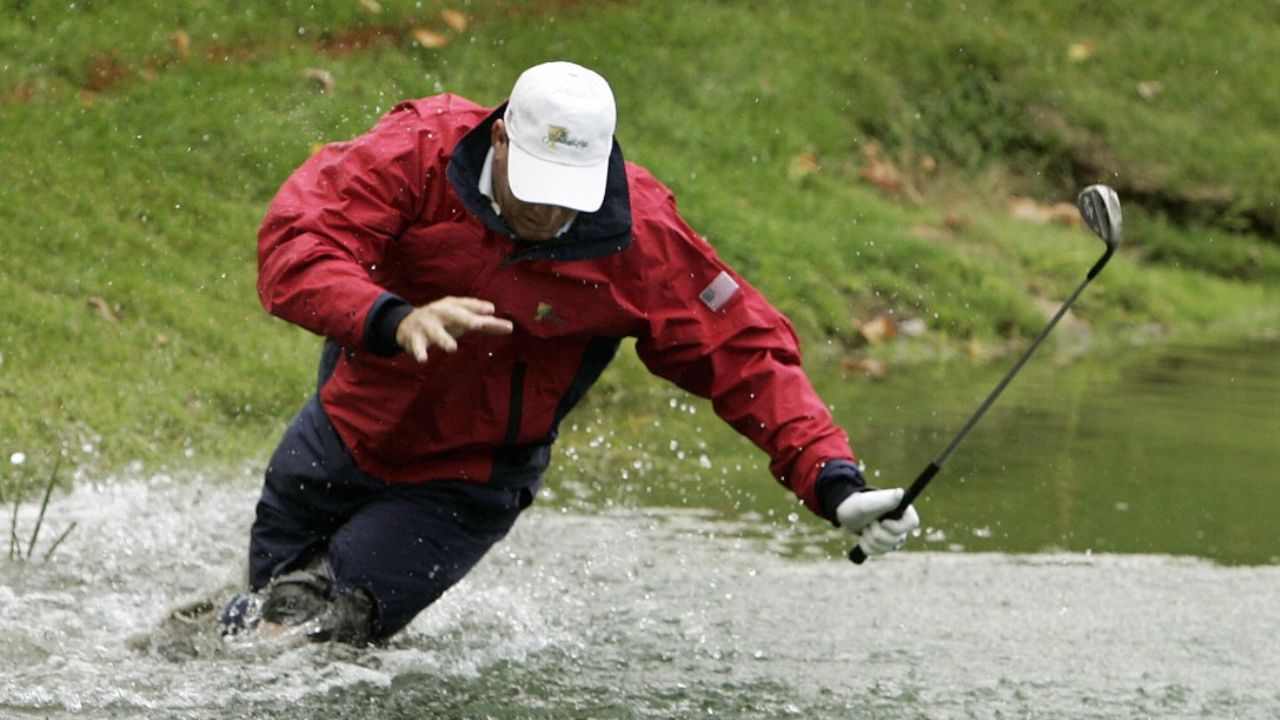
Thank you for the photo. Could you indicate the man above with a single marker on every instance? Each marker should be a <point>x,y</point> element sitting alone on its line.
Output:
<point>474,271</point>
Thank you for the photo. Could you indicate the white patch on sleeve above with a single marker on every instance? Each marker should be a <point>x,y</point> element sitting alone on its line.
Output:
<point>719,291</point>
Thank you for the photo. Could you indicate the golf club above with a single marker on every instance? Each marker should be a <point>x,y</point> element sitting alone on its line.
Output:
<point>1100,208</point>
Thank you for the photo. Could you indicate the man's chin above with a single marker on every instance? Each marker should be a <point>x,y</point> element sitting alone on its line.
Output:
<point>536,236</point>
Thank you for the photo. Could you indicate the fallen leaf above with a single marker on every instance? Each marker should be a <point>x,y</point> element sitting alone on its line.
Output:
<point>182,43</point>
<point>955,223</point>
<point>946,229</point>
<point>976,350</point>
<point>878,329</point>
<point>430,38</point>
<point>1149,90</point>
<point>455,19</point>
<point>372,6</point>
<point>1024,208</point>
<point>104,310</point>
<point>22,93</point>
<point>879,171</point>
<point>802,166</point>
<point>1079,52</point>
<point>925,231</point>
<point>104,71</point>
<point>867,366</point>
<point>323,78</point>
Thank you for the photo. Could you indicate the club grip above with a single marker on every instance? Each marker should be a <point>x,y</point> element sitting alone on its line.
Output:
<point>856,555</point>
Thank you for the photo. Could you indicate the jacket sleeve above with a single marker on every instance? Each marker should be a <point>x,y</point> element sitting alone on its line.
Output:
<point>330,224</point>
<point>744,356</point>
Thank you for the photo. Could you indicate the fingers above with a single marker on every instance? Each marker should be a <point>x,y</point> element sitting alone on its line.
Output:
<point>887,535</point>
<point>882,501</point>
<point>438,334</point>
<point>876,540</point>
<point>475,305</point>
<point>461,315</point>
<point>439,323</point>
<point>909,521</point>
<point>861,509</point>
<point>420,330</point>
<point>493,326</point>
<point>418,343</point>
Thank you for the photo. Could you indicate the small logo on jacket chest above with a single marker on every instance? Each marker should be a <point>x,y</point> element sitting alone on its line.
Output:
<point>546,313</point>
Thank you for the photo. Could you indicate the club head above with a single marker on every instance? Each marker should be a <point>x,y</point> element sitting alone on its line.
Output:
<point>1100,208</point>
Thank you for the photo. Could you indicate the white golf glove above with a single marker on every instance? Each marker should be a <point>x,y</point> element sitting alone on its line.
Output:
<point>860,514</point>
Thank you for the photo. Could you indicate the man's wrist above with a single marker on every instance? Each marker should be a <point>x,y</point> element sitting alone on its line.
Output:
<point>385,316</point>
<point>837,480</point>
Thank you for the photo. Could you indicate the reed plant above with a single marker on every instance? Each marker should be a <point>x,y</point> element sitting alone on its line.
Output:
<point>17,491</point>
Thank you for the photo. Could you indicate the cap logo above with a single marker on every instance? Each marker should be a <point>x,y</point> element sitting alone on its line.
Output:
<point>557,135</point>
<point>560,119</point>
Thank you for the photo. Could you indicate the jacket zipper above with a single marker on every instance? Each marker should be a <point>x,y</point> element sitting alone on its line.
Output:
<point>516,403</point>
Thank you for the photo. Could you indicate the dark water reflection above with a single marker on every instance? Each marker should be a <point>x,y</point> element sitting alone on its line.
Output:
<point>1169,450</point>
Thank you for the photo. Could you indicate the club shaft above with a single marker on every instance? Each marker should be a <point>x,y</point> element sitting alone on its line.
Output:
<point>926,476</point>
<point>1008,377</point>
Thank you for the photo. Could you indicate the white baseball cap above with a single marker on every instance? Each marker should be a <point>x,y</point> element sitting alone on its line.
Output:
<point>560,121</point>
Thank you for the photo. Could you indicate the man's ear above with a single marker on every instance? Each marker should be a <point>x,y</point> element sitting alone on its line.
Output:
<point>498,133</point>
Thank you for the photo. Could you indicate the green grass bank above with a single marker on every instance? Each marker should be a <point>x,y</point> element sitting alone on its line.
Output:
<point>851,159</point>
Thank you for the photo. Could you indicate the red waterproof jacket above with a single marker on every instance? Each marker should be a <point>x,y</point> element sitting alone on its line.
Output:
<point>367,229</point>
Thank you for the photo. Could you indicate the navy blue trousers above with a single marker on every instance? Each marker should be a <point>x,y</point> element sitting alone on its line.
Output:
<point>404,544</point>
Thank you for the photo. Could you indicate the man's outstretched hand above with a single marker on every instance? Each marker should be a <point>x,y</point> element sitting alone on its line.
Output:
<point>438,323</point>
<point>860,514</point>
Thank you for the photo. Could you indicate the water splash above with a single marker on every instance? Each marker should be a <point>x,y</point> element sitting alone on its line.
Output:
<point>644,613</point>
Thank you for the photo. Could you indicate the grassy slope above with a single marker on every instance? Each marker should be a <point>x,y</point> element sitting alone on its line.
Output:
<point>136,177</point>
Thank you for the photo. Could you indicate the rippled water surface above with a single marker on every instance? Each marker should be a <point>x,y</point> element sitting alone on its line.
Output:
<point>711,604</point>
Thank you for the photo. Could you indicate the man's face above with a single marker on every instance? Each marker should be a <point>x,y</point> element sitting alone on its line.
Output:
<point>529,221</point>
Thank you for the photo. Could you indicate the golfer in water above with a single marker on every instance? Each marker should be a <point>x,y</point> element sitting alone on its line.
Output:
<point>473,271</point>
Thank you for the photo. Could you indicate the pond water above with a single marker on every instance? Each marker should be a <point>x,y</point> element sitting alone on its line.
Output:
<point>1172,450</point>
<point>1102,546</point>
<point>1176,451</point>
